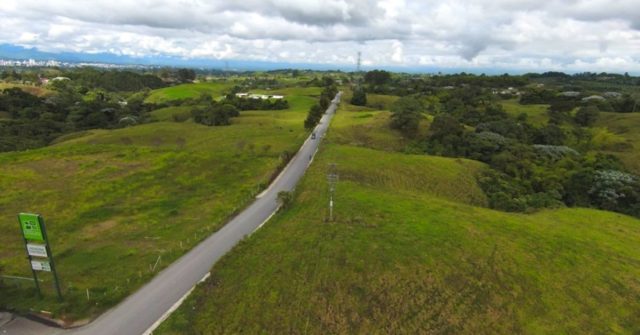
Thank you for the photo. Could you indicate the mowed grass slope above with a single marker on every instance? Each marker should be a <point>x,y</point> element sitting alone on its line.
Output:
<point>416,257</point>
<point>120,205</point>
<point>185,91</point>
<point>625,127</point>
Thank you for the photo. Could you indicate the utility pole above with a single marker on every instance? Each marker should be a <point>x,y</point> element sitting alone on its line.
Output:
<point>358,69</point>
<point>332,179</point>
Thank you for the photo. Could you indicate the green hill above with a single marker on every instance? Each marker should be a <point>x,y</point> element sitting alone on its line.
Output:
<point>185,91</point>
<point>408,253</point>
<point>116,202</point>
<point>627,143</point>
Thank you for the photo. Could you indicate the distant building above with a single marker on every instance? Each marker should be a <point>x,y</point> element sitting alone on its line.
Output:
<point>613,95</point>
<point>509,91</point>
<point>572,94</point>
<point>60,79</point>
<point>593,98</point>
<point>259,96</point>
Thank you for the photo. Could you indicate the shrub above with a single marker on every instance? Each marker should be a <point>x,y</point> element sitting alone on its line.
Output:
<point>284,199</point>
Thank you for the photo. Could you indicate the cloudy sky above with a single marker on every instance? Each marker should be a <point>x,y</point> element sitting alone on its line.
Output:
<point>529,35</point>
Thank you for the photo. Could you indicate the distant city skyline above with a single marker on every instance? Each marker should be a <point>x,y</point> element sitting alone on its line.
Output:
<point>413,36</point>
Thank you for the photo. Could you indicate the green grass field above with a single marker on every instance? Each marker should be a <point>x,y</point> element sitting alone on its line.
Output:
<point>174,113</point>
<point>366,126</point>
<point>118,201</point>
<point>374,101</point>
<point>410,253</point>
<point>625,140</point>
<point>185,91</point>
<point>536,114</point>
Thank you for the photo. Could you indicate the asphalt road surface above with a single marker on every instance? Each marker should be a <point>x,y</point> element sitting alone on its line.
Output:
<point>143,310</point>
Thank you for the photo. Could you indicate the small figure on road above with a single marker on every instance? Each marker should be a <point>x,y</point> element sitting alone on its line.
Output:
<point>313,135</point>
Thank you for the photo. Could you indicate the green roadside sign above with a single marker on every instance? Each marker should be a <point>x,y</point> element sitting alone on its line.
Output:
<point>30,224</point>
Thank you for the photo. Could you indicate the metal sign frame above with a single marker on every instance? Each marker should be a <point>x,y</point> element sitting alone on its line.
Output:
<point>33,229</point>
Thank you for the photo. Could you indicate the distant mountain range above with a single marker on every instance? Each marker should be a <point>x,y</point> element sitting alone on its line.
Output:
<point>15,52</point>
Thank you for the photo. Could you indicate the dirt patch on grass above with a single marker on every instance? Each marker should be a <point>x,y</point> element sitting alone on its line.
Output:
<point>92,231</point>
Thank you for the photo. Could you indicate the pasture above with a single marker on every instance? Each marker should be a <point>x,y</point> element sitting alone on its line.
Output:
<point>411,251</point>
<point>120,205</point>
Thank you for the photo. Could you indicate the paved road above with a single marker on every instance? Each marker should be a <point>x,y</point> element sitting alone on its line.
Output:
<point>144,308</point>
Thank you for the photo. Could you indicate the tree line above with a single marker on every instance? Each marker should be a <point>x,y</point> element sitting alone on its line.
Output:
<point>531,167</point>
<point>317,110</point>
<point>32,121</point>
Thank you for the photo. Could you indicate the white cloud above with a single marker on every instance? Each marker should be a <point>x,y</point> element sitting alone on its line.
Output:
<point>397,53</point>
<point>576,35</point>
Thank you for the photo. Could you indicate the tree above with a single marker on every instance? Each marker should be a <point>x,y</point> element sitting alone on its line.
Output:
<point>185,75</point>
<point>616,191</point>
<point>359,97</point>
<point>324,102</point>
<point>327,81</point>
<point>406,115</point>
<point>446,136</point>
<point>313,117</point>
<point>377,77</point>
<point>284,199</point>
<point>587,115</point>
<point>444,125</point>
<point>626,104</point>
<point>551,135</point>
<point>215,114</point>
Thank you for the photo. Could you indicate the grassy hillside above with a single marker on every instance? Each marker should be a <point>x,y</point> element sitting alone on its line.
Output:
<point>117,202</point>
<point>174,113</point>
<point>536,114</point>
<point>35,90</point>
<point>626,142</point>
<point>364,126</point>
<point>185,91</point>
<point>374,101</point>
<point>409,254</point>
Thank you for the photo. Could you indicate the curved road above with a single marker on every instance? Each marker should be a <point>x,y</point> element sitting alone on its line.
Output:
<point>142,311</point>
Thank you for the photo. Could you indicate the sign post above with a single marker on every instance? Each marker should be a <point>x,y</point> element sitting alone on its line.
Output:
<point>37,247</point>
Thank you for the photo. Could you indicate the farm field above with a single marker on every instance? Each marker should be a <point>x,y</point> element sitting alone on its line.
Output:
<point>412,250</point>
<point>120,205</point>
